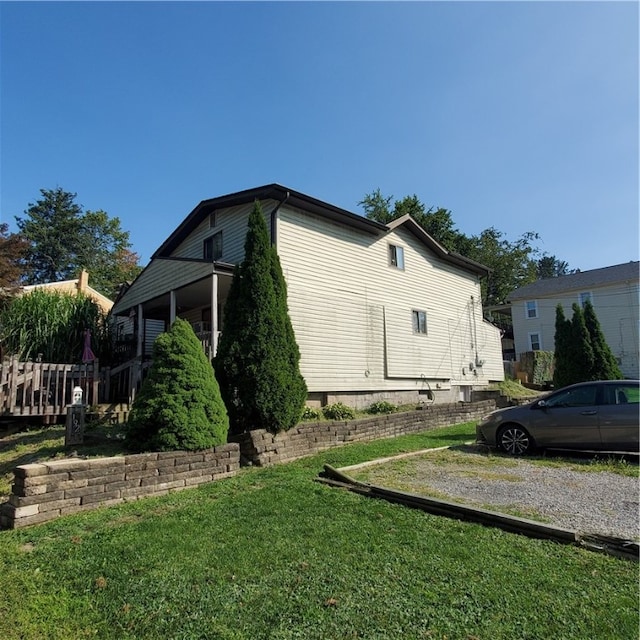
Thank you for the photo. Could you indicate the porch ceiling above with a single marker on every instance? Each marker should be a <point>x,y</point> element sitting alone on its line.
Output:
<point>194,295</point>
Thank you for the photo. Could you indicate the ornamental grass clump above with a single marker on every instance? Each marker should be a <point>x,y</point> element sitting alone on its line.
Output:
<point>179,406</point>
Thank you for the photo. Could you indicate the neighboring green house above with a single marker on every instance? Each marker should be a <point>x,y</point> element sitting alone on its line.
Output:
<point>613,292</point>
<point>379,311</point>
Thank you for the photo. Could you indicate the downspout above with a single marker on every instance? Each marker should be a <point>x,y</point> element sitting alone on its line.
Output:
<point>273,218</point>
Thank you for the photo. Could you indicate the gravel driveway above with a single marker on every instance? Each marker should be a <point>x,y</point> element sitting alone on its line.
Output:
<point>586,501</point>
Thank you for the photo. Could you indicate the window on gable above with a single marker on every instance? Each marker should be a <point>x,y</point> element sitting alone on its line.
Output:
<point>584,296</point>
<point>396,256</point>
<point>531,308</point>
<point>534,342</point>
<point>212,220</point>
<point>212,247</point>
<point>419,321</point>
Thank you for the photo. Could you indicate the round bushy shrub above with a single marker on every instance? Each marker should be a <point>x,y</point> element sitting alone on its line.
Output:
<point>179,406</point>
<point>338,411</point>
<point>382,406</point>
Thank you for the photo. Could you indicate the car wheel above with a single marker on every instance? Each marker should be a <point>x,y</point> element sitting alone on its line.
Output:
<point>515,440</point>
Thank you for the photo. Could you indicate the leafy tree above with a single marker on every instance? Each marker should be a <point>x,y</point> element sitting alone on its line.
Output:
<point>377,207</point>
<point>64,239</point>
<point>562,374</point>
<point>258,358</point>
<point>550,267</point>
<point>511,264</point>
<point>179,405</point>
<point>12,249</point>
<point>51,325</point>
<point>605,366</point>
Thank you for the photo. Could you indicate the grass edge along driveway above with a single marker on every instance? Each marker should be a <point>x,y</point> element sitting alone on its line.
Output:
<point>273,554</point>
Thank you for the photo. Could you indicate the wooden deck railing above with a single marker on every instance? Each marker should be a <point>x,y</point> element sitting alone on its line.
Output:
<point>46,389</point>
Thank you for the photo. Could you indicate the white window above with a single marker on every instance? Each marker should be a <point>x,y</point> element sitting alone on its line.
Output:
<point>396,256</point>
<point>531,308</point>
<point>419,321</point>
<point>583,297</point>
<point>534,342</point>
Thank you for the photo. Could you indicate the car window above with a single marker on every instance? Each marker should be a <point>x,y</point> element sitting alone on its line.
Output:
<point>579,397</point>
<point>622,393</point>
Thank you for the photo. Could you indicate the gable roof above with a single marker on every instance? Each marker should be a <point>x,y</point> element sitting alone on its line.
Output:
<point>78,285</point>
<point>411,225</point>
<point>266,192</point>
<point>325,210</point>
<point>583,280</point>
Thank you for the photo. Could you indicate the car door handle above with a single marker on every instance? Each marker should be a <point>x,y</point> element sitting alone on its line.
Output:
<point>588,413</point>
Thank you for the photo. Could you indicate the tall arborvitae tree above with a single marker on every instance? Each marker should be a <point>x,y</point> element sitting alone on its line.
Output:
<point>562,367</point>
<point>605,366</point>
<point>257,358</point>
<point>179,405</point>
<point>580,347</point>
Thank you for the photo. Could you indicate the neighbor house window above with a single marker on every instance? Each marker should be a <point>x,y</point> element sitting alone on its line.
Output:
<point>396,256</point>
<point>531,308</point>
<point>534,342</point>
<point>419,321</point>
<point>584,296</point>
<point>212,220</point>
<point>212,247</point>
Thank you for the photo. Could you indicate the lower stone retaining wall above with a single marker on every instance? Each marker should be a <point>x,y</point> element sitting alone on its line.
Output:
<point>48,490</point>
<point>263,448</point>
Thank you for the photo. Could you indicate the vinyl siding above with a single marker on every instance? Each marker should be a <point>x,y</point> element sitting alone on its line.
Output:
<point>232,222</point>
<point>352,311</point>
<point>159,277</point>
<point>616,307</point>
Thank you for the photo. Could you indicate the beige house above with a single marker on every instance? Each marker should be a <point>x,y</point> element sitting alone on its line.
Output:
<point>79,285</point>
<point>613,292</point>
<point>379,311</point>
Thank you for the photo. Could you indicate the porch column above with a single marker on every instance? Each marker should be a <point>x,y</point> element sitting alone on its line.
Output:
<point>140,345</point>
<point>214,314</point>
<point>172,307</point>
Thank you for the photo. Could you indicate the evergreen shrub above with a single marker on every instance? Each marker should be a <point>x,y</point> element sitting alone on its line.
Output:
<point>179,406</point>
<point>258,358</point>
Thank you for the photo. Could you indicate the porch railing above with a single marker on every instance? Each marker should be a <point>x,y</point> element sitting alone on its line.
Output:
<point>46,389</point>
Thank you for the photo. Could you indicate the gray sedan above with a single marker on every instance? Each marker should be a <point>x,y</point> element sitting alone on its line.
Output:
<point>601,416</point>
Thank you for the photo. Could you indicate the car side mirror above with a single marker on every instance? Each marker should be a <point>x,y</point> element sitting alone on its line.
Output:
<point>541,404</point>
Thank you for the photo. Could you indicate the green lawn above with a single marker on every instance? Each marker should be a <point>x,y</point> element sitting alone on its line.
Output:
<point>273,554</point>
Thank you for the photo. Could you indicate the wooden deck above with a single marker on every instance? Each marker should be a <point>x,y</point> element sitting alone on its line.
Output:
<point>46,389</point>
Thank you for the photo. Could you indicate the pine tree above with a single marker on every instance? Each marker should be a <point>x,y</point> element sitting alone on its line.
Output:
<point>258,358</point>
<point>562,367</point>
<point>605,366</point>
<point>179,405</point>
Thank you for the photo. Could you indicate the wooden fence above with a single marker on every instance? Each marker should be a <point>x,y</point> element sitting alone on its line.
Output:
<point>46,389</point>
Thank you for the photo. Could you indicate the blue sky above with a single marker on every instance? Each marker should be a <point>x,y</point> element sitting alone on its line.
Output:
<point>521,116</point>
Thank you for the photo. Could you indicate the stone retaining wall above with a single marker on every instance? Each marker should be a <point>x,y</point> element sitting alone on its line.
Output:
<point>263,448</point>
<point>56,488</point>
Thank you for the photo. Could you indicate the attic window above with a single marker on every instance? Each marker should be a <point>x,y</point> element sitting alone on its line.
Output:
<point>396,256</point>
<point>212,220</point>
<point>212,247</point>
